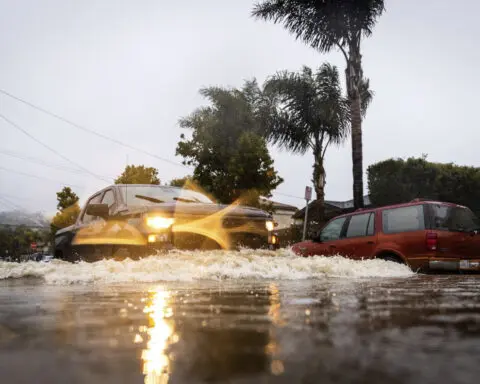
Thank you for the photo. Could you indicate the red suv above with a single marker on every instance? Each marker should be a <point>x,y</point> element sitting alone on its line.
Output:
<point>426,235</point>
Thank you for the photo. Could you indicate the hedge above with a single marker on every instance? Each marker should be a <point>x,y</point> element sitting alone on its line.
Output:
<point>396,181</point>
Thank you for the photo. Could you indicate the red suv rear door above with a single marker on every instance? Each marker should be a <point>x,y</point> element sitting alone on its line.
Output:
<point>452,224</point>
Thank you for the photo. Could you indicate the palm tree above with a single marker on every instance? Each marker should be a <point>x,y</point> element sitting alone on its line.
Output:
<point>307,112</point>
<point>329,24</point>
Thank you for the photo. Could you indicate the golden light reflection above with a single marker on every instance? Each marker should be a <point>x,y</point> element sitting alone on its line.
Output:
<point>160,331</point>
<point>210,226</point>
<point>272,348</point>
<point>109,232</point>
<point>274,308</point>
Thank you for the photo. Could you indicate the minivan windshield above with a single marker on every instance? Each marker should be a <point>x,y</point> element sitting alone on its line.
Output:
<point>156,194</point>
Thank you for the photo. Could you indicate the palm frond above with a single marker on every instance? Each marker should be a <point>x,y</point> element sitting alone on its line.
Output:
<point>288,133</point>
<point>322,24</point>
<point>306,108</point>
<point>366,95</point>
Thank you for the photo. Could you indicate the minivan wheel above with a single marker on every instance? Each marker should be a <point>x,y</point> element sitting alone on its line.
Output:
<point>392,258</point>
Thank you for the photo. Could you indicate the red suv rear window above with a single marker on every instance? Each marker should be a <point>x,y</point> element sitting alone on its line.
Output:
<point>453,218</point>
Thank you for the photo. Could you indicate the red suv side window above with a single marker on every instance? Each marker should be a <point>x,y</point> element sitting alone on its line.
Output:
<point>359,225</point>
<point>333,230</point>
<point>403,219</point>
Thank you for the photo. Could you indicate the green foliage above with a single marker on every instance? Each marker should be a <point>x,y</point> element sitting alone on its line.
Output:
<point>308,110</point>
<point>68,210</point>
<point>65,217</point>
<point>138,174</point>
<point>325,24</point>
<point>16,241</point>
<point>334,24</point>
<point>182,182</point>
<point>289,236</point>
<point>396,181</point>
<point>66,198</point>
<point>226,148</point>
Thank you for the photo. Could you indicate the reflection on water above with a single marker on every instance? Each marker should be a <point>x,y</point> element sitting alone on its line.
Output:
<point>156,362</point>
<point>274,307</point>
<point>358,330</point>
<point>272,348</point>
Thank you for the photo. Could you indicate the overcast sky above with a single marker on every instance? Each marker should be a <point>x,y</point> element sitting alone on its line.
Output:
<point>131,69</point>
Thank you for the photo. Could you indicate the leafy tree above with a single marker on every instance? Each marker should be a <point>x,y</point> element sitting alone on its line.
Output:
<point>66,217</point>
<point>16,241</point>
<point>397,181</point>
<point>138,174</point>
<point>327,25</point>
<point>230,156</point>
<point>66,198</point>
<point>308,113</point>
<point>68,209</point>
<point>182,182</point>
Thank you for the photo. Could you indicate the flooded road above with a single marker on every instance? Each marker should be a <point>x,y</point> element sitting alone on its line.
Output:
<point>236,318</point>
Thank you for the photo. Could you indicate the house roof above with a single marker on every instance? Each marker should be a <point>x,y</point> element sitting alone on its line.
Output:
<point>277,205</point>
<point>348,204</point>
<point>332,204</point>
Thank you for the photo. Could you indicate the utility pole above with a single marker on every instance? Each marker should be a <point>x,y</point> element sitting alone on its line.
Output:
<point>308,196</point>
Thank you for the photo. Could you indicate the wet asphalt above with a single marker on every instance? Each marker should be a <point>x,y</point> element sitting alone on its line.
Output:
<point>419,329</point>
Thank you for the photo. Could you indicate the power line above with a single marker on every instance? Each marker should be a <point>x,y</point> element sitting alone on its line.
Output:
<point>38,177</point>
<point>38,161</point>
<point>16,126</point>
<point>98,134</point>
<point>6,203</point>
<point>17,197</point>
<point>105,137</point>
<point>19,208</point>
<point>286,195</point>
<point>10,202</point>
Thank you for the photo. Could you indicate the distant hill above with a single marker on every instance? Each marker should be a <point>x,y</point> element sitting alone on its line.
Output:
<point>18,217</point>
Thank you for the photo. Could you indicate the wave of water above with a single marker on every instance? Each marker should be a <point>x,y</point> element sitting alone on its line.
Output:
<point>210,265</point>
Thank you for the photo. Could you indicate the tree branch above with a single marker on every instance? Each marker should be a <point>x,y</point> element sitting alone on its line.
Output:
<point>343,51</point>
<point>325,148</point>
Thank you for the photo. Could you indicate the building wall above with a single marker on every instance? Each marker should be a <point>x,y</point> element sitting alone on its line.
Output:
<point>283,218</point>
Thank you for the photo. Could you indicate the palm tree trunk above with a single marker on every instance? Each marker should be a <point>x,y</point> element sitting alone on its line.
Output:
<point>319,183</point>
<point>353,76</point>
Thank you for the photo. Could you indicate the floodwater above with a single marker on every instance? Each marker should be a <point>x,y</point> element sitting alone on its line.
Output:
<point>236,317</point>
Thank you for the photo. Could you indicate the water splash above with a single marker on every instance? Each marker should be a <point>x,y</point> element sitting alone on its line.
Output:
<point>206,265</point>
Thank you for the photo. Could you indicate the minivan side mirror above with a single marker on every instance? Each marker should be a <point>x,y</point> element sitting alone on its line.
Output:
<point>100,210</point>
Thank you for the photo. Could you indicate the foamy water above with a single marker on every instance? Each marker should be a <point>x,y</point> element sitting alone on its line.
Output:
<point>211,265</point>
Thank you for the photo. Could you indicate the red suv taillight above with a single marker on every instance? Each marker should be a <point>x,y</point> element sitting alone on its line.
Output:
<point>431,241</point>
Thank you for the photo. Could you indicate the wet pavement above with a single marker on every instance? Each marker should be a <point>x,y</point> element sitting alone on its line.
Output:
<point>326,329</point>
